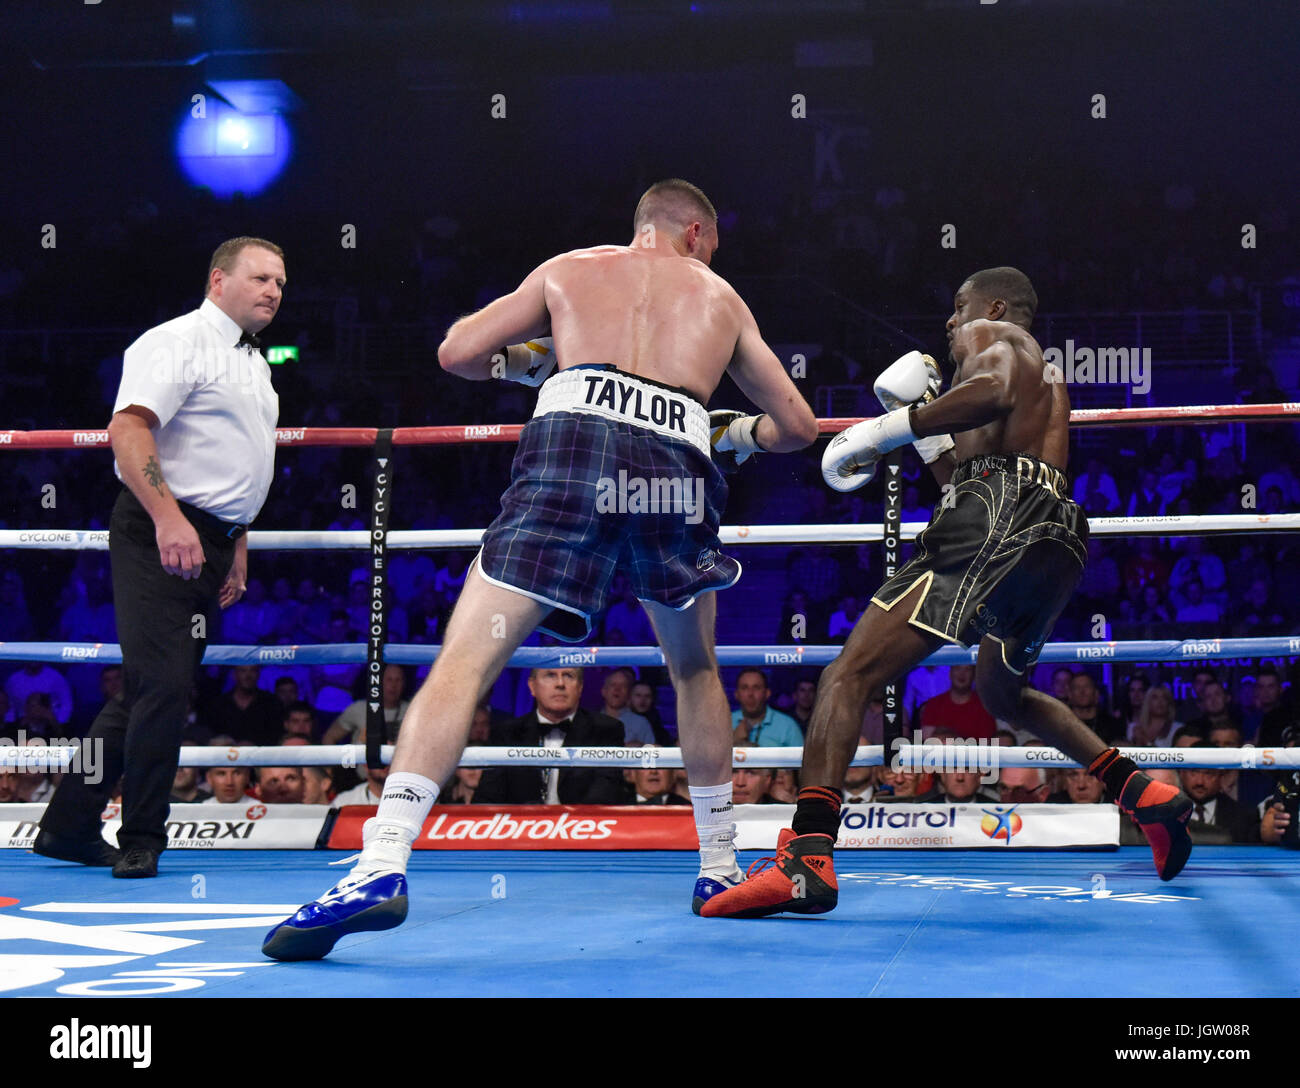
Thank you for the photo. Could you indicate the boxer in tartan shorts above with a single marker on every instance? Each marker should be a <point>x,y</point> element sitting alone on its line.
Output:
<point>557,542</point>
<point>655,311</point>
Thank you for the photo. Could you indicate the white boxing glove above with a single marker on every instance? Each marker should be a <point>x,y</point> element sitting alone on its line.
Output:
<point>914,379</point>
<point>851,457</point>
<point>530,363</point>
<point>734,438</point>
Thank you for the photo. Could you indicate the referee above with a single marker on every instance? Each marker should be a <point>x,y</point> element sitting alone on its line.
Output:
<point>193,435</point>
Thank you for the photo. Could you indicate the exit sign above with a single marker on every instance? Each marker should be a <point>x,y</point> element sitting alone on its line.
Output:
<point>277,355</point>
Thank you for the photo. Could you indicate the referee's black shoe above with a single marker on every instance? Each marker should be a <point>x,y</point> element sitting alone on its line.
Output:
<point>137,861</point>
<point>90,852</point>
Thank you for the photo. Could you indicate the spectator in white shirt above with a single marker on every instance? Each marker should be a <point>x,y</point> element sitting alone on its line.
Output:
<point>350,726</point>
<point>616,693</point>
<point>368,792</point>
<point>229,785</point>
<point>1095,489</point>
<point>843,621</point>
<point>36,677</point>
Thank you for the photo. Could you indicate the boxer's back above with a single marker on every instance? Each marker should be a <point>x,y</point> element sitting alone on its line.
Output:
<point>660,316</point>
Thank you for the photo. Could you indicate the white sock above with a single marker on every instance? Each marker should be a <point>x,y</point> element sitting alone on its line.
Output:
<point>714,825</point>
<point>387,837</point>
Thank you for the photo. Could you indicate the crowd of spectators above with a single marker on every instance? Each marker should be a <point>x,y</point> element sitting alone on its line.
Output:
<point>941,705</point>
<point>1133,587</point>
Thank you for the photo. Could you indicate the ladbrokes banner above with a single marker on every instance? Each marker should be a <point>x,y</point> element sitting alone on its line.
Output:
<point>672,827</point>
<point>246,825</point>
<point>538,827</point>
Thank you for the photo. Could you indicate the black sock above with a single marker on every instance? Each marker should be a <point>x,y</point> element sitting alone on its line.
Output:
<point>1113,769</point>
<point>818,812</point>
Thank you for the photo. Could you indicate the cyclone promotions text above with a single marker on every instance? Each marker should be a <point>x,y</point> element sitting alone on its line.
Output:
<point>628,756</point>
<point>375,635</point>
<point>116,1042</point>
<point>40,754</point>
<point>504,827</point>
<point>378,562</point>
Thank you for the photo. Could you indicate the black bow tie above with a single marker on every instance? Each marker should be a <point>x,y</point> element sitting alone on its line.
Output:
<point>547,727</point>
<point>250,341</point>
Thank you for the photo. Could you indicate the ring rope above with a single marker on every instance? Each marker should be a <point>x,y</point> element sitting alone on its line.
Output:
<point>537,657</point>
<point>864,532</point>
<point>922,757</point>
<point>509,432</point>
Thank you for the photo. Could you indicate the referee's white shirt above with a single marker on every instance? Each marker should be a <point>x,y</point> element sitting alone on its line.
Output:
<point>216,411</point>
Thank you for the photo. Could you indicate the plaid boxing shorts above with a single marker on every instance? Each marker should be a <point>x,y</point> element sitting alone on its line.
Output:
<point>1000,557</point>
<point>613,471</point>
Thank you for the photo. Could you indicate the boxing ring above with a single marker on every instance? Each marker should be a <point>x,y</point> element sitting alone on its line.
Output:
<point>916,924</point>
<point>980,923</point>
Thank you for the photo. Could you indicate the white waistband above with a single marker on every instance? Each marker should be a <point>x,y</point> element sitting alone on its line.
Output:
<point>618,396</point>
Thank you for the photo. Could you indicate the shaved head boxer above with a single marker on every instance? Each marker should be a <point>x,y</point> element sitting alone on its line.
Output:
<point>628,342</point>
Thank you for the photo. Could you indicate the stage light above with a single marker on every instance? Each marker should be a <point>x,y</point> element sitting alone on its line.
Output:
<point>232,152</point>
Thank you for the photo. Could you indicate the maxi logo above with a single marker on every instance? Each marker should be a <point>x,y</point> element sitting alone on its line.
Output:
<point>90,947</point>
<point>1065,892</point>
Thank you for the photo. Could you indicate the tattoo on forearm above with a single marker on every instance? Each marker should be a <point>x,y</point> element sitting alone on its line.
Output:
<point>153,473</point>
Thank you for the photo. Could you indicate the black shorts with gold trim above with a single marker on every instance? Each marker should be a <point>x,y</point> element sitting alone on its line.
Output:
<point>1001,556</point>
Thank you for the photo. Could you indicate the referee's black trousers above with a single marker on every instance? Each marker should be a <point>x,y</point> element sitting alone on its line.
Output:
<point>161,625</point>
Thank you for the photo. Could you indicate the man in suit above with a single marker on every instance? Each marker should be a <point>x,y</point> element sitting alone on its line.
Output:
<point>556,721</point>
<point>1216,813</point>
<point>654,786</point>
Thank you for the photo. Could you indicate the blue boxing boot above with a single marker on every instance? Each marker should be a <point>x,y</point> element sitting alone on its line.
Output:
<point>714,883</point>
<point>358,903</point>
<point>371,897</point>
<point>717,835</point>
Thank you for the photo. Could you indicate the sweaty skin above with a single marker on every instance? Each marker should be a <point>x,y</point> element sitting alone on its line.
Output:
<point>1000,391</point>
<point>999,402</point>
<point>674,321</point>
<point>654,312</point>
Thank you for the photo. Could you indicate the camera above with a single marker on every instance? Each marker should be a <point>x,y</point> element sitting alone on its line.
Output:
<point>1287,790</point>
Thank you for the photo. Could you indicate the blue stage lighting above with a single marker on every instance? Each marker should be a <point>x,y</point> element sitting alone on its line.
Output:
<point>231,152</point>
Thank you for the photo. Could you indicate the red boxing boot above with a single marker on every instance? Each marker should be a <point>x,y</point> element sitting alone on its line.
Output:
<point>801,882</point>
<point>1162,812</point>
